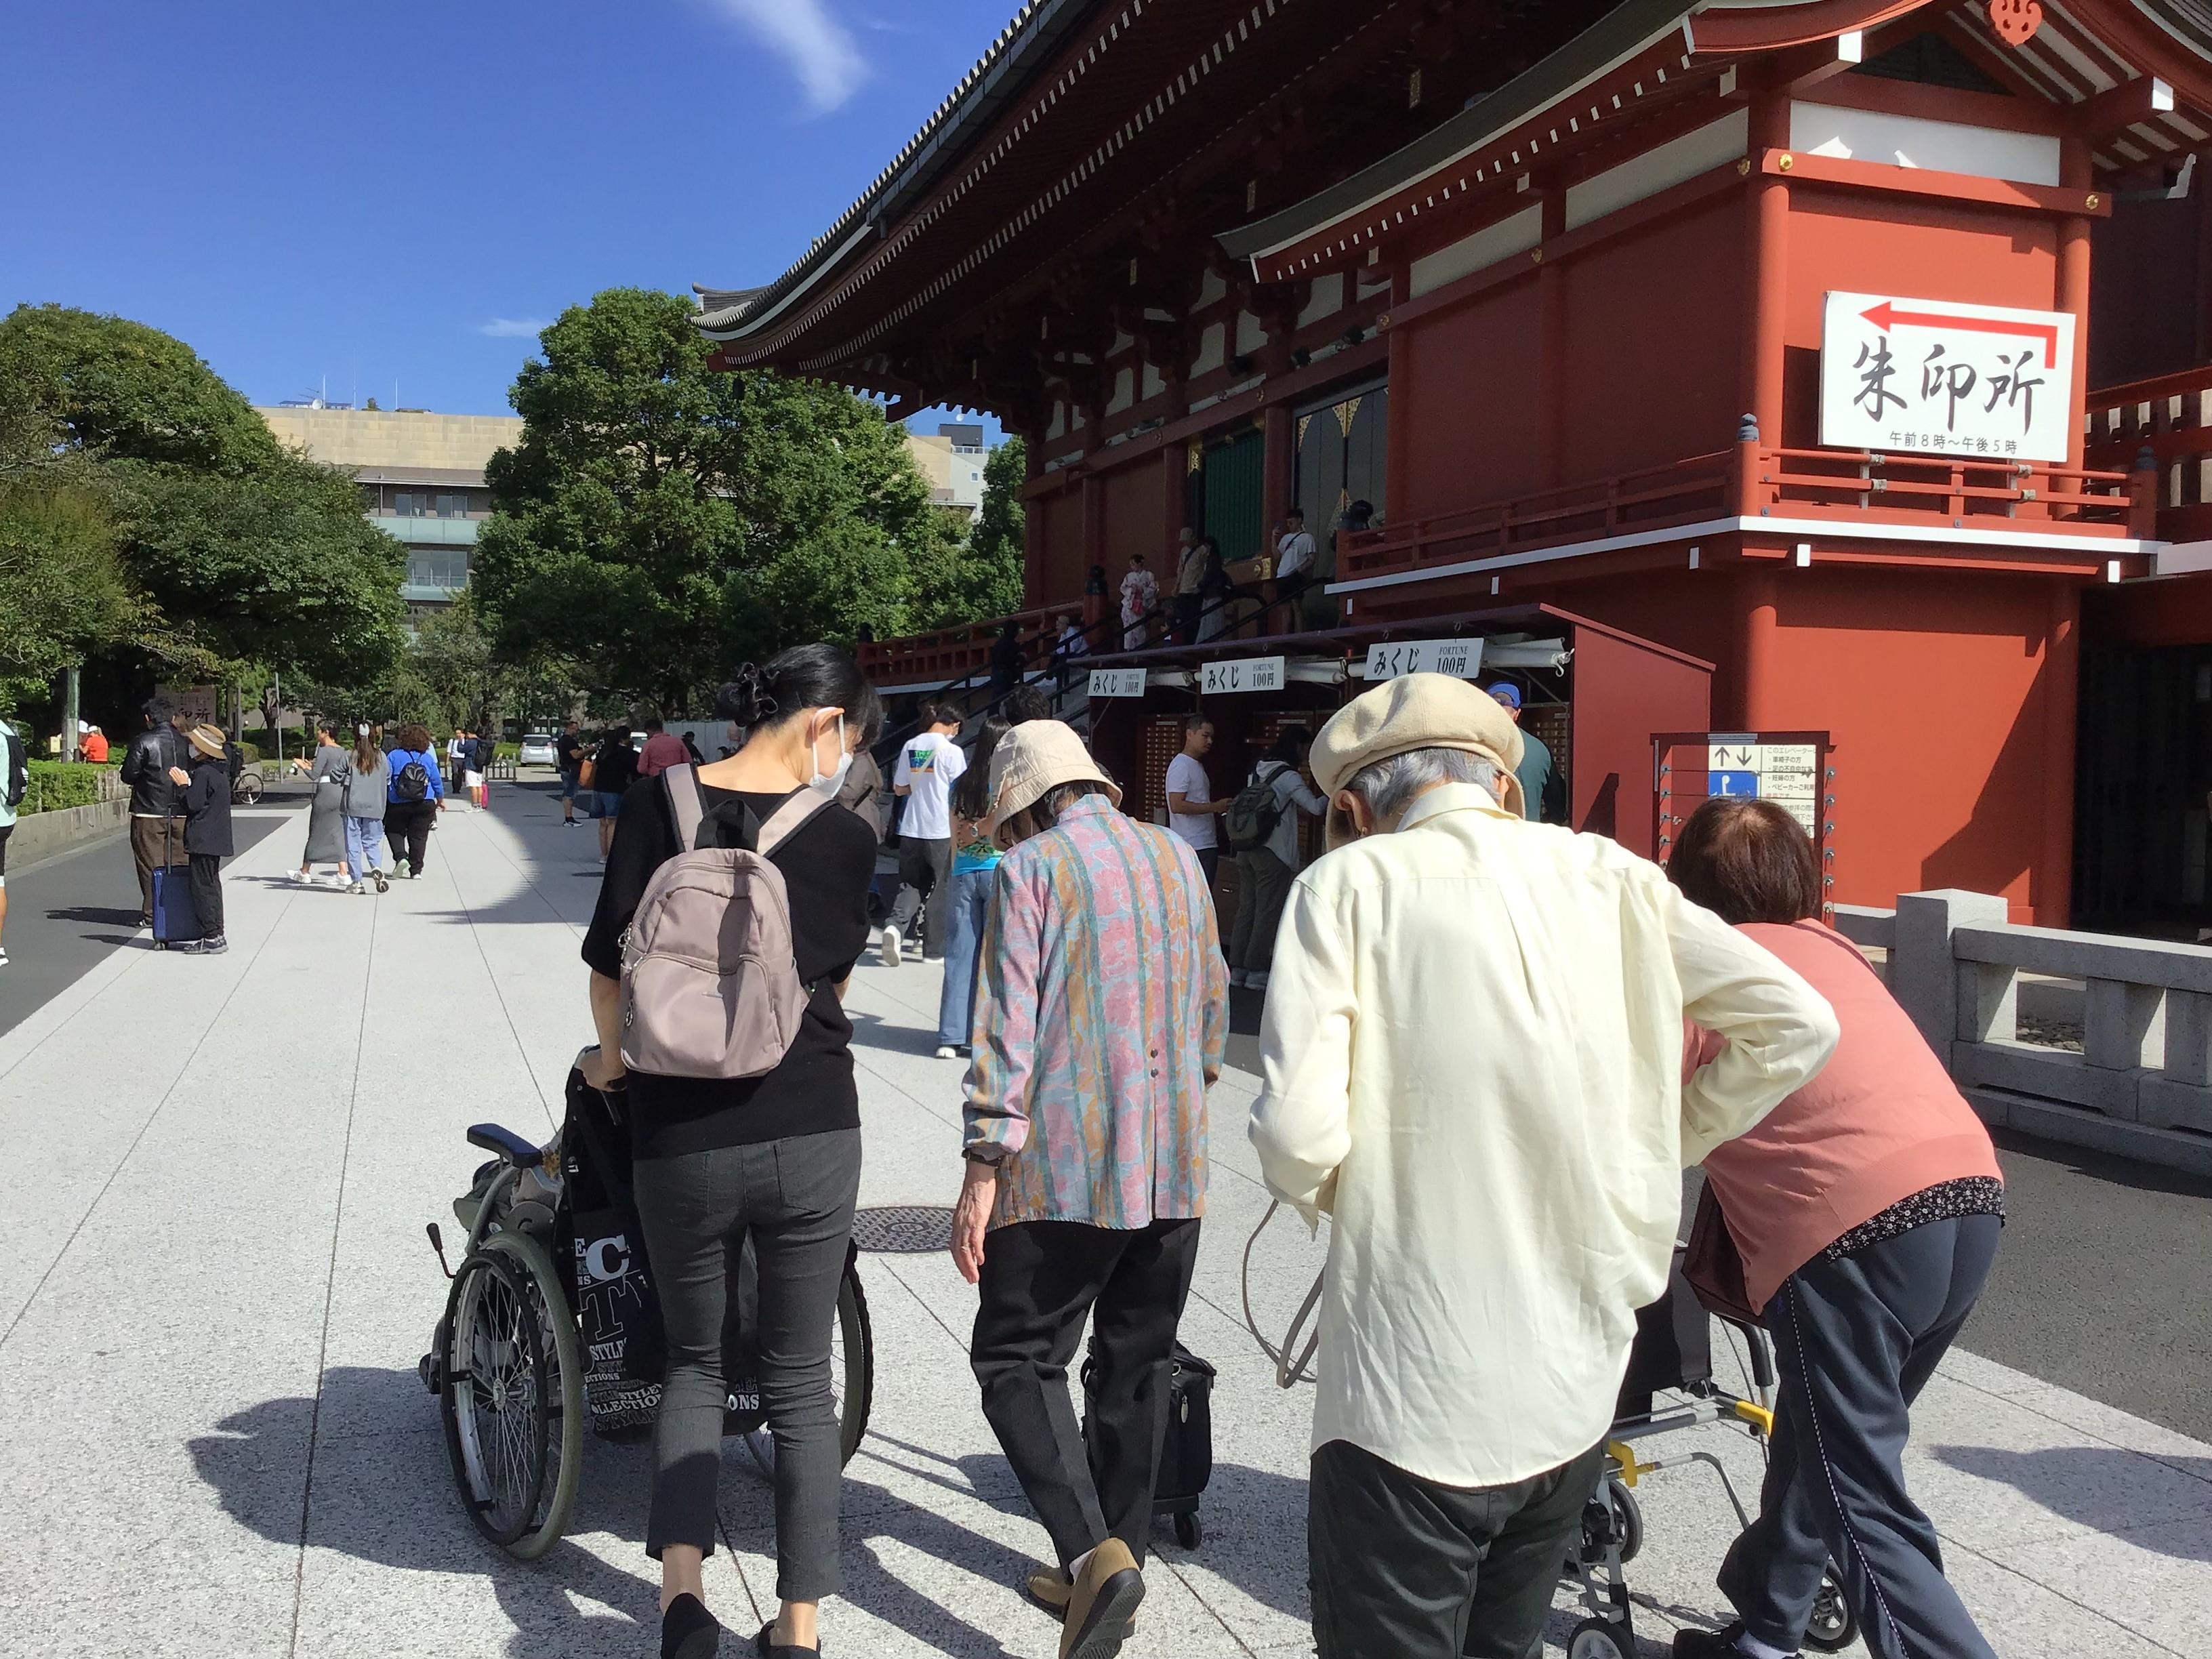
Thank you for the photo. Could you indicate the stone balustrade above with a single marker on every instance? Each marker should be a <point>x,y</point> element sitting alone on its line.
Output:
<point>2141,1084</point>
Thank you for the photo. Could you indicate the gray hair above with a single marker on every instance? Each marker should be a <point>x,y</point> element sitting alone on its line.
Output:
<point>1387,785</point>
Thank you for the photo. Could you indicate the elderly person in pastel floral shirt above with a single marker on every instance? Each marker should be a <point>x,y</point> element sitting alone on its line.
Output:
<point>1101,1017</point>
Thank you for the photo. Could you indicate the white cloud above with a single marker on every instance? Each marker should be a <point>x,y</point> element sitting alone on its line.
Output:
<point>513,328</point>
<point>818,48</point>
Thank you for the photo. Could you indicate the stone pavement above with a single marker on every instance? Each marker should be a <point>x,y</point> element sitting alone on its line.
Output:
<point>214,1287</point>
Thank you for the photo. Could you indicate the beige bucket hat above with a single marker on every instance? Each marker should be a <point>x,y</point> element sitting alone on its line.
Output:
<point>208,739</point>
<point>1035,757</point>
<point>1417,711</point>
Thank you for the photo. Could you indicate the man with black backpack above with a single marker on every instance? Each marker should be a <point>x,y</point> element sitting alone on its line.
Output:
<point>1262,830</point>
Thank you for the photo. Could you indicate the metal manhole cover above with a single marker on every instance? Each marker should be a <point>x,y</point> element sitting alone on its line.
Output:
<point>903,1229</point>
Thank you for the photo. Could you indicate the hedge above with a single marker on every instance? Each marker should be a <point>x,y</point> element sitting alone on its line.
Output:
<point>55,786</point>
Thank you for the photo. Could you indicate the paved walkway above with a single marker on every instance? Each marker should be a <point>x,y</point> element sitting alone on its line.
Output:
<point>214,1286</point>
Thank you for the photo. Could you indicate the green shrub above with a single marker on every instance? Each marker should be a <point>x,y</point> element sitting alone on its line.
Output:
<point>55,786</point>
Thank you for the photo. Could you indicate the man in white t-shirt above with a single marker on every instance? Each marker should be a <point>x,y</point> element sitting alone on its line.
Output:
<point>1190,813</point>
<point>930,762</point>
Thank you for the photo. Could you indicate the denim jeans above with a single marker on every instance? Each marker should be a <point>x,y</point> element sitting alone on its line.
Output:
<point>365,847</point>
<point>966,901</point>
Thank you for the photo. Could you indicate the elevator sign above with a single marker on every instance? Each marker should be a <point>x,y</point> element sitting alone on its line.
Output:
<point>1934,377</point>
<point>1787,774</point>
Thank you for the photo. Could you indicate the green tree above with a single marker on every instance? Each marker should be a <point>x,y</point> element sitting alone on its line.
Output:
<point>241,556</point>
<point>983,574</point>
<point>660,522</point>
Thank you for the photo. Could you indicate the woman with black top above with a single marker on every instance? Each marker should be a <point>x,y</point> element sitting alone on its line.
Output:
<point>777,1156</point>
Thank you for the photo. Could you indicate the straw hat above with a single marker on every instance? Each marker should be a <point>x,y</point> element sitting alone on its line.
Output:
<point>1417,711</point>
<point>1033,758</point>
<point>208,739</point>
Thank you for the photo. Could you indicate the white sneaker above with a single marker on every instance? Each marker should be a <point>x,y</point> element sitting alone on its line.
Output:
<point>302,877</point>
<point>889,953</point>
<point>946,1051</point>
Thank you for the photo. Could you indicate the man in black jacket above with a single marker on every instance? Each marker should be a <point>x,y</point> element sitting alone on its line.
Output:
<point>156,831</point>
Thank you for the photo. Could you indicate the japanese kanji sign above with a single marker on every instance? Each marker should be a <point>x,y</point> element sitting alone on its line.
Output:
<point>1787,774</point>
<point>1461,659</point>
<point>1933,377</point>
<point>1244,674</point>
<point>1117,682</point>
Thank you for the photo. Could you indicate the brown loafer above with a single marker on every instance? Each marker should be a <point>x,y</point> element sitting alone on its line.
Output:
<point>1050,1588</point>
<point>1101,1603</point>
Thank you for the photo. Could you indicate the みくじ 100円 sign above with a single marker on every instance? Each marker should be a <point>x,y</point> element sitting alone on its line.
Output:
<point>1936,377</point>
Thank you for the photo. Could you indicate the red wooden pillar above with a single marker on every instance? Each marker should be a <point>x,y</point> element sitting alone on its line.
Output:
<point>1278,463</point>
<point>1399,414</point>
<point>2051,893</point>
<point>1094,526</point>
<point>1174,466</point>
<point>1552,345</point>
<point>1755,650</point>
<point>1766,278</point>
<point>2073,296</point>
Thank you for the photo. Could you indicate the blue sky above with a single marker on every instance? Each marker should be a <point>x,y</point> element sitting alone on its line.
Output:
<point>401,191</point>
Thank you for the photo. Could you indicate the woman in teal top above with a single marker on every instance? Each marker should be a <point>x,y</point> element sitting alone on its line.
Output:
<point>975,868</point>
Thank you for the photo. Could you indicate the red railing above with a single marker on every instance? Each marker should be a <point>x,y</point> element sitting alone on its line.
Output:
<point>1682,492</point>
<point>1910,488</point>
<point>1846,485</point>
<point>2171,418</point>
<point>952,653</point>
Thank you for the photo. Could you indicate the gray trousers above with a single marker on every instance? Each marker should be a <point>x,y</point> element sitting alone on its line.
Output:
<point>1856,1340</point>
<point>925,867</point>
<point>1403,1568</point>
<point>795,1197</point>
<point>1263,883</point>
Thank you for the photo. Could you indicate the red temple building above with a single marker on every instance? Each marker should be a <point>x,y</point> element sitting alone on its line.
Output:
<point>1829,367</point>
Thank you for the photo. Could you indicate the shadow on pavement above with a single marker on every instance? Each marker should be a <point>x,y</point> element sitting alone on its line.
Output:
<point>875,1031</point>
<point>2093,1486</point>
<point>384,1495</point>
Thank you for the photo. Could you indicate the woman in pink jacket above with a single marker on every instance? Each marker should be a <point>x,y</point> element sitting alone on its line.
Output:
<point>1867,1208</point>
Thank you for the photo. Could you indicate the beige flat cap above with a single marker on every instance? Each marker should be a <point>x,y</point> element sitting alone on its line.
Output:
<point>1035,756</point>
<point>1417,711</point>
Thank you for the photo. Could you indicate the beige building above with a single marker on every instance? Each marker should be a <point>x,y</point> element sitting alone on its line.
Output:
<point>951,459</point>
<point>422,478</point>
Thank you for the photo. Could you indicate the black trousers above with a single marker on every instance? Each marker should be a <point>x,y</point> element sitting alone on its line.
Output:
<point>795,1197</point>
<point>207,893</point>
<point>924,867</point>
<point>407,827</point>
<point>1856,1340</point>
<point>1405,1569</point>
<point>1040,1279</point>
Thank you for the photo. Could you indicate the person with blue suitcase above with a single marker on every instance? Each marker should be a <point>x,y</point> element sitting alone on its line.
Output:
<point>207,839</point>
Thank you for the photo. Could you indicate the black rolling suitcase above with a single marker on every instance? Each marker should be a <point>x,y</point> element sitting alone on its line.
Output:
<point>176,917</point>
<point>1187,1449</point>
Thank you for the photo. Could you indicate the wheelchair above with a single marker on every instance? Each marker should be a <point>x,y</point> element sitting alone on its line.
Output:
<point>551,1325</point>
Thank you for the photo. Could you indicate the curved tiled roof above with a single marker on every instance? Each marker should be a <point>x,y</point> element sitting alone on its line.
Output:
<point>1022,48</point>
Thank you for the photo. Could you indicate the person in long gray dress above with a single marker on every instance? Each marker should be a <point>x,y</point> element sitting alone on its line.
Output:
<point>327,767</point>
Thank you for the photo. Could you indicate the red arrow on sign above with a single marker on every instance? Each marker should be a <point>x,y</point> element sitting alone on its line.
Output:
<point>1886,315</point>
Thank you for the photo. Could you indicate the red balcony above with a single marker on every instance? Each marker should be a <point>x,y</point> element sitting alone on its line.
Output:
<point>1846,486</point>
<point>953,653</point>
<point>2171,418</point>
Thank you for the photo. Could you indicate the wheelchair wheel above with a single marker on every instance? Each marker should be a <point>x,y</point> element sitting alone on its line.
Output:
<point>852,1374</point>
<point>1627,1520</point>
<point>1834,1625</point>
<point>513,1399</point>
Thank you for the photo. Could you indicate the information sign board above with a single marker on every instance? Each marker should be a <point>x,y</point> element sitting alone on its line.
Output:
<point>1241,674</point>
<point>1934,377</point>
<point>1461,659</point>
<point>1117,682</point>
<point>1787,774</point>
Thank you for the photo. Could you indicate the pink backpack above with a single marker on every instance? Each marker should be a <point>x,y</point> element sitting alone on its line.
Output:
<point>709,985</point>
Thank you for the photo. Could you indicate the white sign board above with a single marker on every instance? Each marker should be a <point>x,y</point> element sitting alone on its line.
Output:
<point>1117,682</point>
<point>1931,376</point>
<point>1461,659</point>
<point>1787,774</point>
<point>1244,674</point>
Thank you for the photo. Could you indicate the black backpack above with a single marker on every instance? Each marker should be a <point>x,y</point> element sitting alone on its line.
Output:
<point>412,781</point>
<point>1255,811</point>
<point>19,765</point>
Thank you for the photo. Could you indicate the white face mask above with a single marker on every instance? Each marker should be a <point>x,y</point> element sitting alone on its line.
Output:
<point>831,781</point>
